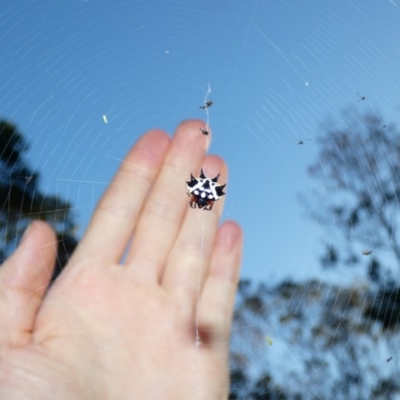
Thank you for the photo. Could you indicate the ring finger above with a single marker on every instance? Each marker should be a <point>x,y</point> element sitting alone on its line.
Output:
<point>188,263</point>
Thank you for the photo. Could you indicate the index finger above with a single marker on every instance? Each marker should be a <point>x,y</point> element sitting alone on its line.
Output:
<point>116,215</point>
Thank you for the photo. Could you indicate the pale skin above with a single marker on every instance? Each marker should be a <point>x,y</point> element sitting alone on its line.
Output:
<point>127,330</point>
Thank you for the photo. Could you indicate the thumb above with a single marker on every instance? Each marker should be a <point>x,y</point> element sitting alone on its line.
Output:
<point>24,278</point>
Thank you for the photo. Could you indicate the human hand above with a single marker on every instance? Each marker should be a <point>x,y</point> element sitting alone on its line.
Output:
<point>112,330</point>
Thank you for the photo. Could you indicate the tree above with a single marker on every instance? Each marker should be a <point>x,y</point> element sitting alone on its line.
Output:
<point>21,200</point>
<point>323,344</point>
<point>358,194</point>
<point>358,189</point>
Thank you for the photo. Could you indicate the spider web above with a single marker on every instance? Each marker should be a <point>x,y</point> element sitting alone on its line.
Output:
<point>83,80</point>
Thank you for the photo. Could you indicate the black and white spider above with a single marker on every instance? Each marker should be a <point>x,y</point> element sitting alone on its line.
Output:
<point>204,191</point>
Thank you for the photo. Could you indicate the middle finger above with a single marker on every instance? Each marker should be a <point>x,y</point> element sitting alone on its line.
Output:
<point>167,203</point>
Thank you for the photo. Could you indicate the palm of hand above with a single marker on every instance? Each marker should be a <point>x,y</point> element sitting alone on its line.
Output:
<point>111,331</point>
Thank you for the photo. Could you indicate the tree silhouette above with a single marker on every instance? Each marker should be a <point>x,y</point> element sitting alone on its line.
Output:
<point>21,200</point>
<point>324,343</point>
<point>358,188</point>
<point>357,193</point>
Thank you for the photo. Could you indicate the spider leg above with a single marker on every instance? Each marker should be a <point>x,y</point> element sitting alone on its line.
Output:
<point>209,206</point>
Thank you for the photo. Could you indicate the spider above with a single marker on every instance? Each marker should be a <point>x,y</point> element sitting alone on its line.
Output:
<point>206,104</point>
<point>204,191</point>
<point>204,131</point>
<point>367,252</point>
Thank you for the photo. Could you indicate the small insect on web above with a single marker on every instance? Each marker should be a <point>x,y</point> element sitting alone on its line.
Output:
<point>207,104</point>
<point>361,97</point>
<point>204,191</point>
<point>204,131</point>
<point>302,141</point>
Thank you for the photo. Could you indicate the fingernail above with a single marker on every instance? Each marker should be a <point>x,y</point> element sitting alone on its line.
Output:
<point>229,240</point>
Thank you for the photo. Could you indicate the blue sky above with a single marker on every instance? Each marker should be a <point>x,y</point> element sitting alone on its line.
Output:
<point>276,70</point>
